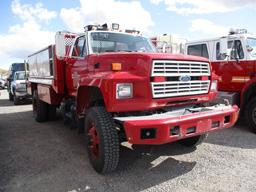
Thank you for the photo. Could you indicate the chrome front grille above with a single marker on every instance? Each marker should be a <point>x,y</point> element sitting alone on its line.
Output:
<point>174,85</point>
<point>177,68</point>
<point>177,88</point>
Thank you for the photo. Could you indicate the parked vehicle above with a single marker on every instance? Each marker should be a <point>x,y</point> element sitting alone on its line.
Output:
<point>168,43</point>
<point>19,87</point>
<point>233,58</point>
<point>116,88</point>
<point>13,68</point>
<point>2,83</point>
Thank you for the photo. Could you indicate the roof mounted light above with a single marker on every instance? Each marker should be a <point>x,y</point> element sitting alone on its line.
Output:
<point>132,31</point>
<point>237,31</point>
<point>103,27</point>
<point>115,26</point>
<point>90,28</point>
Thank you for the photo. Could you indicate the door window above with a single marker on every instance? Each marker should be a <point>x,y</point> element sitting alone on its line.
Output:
<point>79,47</point>
<point>219,56</point>
<point>236,49</point>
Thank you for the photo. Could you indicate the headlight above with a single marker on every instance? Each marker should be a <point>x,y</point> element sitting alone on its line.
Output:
<point>214,85</point>
<point>124,90</point>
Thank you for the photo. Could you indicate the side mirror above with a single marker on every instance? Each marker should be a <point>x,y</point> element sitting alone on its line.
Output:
<point>249,48</point>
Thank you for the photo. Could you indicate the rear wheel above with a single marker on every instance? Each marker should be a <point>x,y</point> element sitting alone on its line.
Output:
<point>193,141</point>
<point>39,108</point>
<point>51,112</point>
<point>250,114</point>
<point>102,140</point>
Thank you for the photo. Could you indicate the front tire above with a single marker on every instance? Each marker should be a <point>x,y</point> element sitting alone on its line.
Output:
<point>39,108</point>
<point>10,96</point>
<point>102,140</point>
<point>250,114</point>
<point>193,141</point>
<point>16,99</point>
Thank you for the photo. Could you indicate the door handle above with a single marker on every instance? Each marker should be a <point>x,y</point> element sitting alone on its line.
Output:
<point>96,66</point>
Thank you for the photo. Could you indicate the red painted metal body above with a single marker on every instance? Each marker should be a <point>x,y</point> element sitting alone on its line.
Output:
<point>230,70</point>
<point>202,122</point>
<point>136,69</point>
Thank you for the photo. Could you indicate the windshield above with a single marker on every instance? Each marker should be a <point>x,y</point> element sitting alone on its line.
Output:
<point>20,76</point>
<point>251,46</point>
<point>117,42</point>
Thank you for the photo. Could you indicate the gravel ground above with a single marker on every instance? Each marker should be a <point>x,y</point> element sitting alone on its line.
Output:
<point>51,157</point>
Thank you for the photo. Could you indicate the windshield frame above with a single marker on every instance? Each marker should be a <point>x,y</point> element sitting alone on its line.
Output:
<point>89,40</point>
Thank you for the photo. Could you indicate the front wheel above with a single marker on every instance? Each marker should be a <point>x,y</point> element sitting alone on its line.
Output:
<point>250,114</point>
<point>10,96</point>
<point>102,140</point>
<point>16,99</point>
<point>193,141</point>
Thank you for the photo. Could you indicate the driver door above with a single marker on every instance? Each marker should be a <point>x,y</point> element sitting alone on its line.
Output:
<point>76,64</point>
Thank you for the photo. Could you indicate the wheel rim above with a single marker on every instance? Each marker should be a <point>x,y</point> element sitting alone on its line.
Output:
<point>93,140</point>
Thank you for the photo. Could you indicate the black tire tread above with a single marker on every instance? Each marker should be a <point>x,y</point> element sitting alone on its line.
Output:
<point>193,141</point>
<point>248,114</point>
<point>51,112</point>
<point>15,99</point>
<point>109,137</point>
<point>41,112</point>
<point>10,96</point>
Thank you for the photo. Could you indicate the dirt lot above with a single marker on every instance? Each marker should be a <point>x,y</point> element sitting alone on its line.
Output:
<point>51,157</point>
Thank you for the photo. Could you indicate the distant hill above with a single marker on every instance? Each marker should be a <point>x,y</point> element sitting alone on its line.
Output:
<point>3,72</point>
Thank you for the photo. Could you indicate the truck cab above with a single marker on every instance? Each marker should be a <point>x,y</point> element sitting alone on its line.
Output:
<point>19,87</point>
<point>233,59</point>
<point>115,87</point>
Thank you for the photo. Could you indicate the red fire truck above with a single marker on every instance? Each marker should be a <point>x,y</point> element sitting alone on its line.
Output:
<point>116,88</point>
<point>233,58</point>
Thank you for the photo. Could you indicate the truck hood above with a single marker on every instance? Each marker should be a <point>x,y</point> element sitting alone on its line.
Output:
<point>20,81</point>
<point>137,62</point>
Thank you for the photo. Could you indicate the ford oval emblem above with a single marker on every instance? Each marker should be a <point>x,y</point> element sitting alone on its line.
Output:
<point>185,78</point>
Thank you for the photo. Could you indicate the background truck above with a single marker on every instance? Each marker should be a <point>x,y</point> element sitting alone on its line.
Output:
<point>115,88</point>
<point>12,69</point>
<point>168,43</point>
<point>18,87</point>
<point>233,58</point>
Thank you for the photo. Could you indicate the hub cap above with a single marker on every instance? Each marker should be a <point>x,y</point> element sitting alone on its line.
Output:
<point>93,143</point>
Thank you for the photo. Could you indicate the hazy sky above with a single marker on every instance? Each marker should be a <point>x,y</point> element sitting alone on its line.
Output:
<point>27,26</point>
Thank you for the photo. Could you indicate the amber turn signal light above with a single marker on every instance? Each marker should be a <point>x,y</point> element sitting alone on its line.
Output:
<point>116,66</point>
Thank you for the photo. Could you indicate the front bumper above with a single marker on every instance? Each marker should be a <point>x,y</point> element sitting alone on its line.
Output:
<point>22,94</point>
<point>179,124</point>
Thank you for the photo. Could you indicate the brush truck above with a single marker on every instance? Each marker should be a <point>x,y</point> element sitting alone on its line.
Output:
<point>116,88</point>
